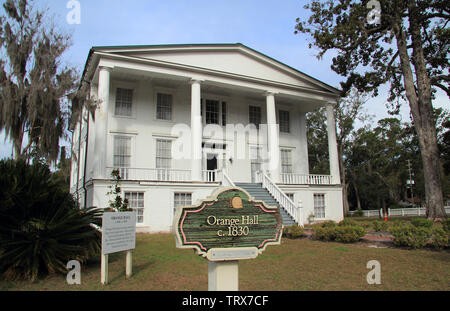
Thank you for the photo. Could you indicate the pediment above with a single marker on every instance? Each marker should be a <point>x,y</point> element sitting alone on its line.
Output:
<point>230,59</point>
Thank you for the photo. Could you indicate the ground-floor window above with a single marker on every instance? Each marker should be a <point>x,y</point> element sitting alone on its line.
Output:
<point>136,202</point>
<point>319,205</point>
<point>290,196</point>
<point>181,199</point>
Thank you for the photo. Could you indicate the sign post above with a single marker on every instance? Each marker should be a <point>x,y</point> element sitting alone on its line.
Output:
<point>226,228</point>
<point>118,234</point>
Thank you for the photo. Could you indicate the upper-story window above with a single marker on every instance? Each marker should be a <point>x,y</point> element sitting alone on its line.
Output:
<point>164,106</point>
<point>124,102</point>
<point>122,155</point>
<point>215,111</point>
<point>283,119</point>
<point>212,111</point>
<point>286,161</point>
<point>254,115</point>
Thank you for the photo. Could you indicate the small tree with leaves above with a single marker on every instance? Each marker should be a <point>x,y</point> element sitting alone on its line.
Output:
<point>117,204</point>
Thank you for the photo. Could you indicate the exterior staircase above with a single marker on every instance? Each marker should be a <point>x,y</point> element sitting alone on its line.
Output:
<point>259,193</point>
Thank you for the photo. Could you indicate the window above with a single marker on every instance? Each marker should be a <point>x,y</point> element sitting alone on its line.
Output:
<point>124,101</point>
<point>212,111</point>
<point>283,117</point>
<point>254,115</point>
<point>122,154</point>
<point>286,161</point>
<point>319,205</point>
<point>136,202</point>
<point>181,199</point>
<point>163,158</point>
<point>224,113</point>
<point>290,196</point>
<point>164,106</point>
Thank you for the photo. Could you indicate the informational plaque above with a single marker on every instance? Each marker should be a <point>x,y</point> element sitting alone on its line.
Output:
<point>118,232</point>
<point>229,226</point>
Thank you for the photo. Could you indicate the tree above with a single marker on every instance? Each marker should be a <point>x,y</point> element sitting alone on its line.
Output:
<point>407,47</point>
<point>34,85</point>
<point>347,111</point>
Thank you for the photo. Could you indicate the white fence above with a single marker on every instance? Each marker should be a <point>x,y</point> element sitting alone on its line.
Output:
<point>410,211</point>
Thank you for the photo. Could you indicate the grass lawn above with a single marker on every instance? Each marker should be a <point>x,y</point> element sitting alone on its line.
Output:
<point>295,265</point>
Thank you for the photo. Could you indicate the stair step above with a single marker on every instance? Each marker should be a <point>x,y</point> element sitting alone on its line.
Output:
<point>261,194</point>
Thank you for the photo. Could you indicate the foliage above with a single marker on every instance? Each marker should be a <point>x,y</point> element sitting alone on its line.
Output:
<point>411,236</point>
<point>440,238</point>
<point>117,204</point>
<point>41,226</point>
<point>406,48</point>
<point>422,222</point>
<point>345,232</point>
<point>348,222</point>
<point>293,231</point>
<point>446,225</point>
<point>380,226</point>
<point>349,234</point>
<point>34,86</point>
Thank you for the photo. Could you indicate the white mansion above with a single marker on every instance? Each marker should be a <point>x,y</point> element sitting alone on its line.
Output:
<point>178,121</point>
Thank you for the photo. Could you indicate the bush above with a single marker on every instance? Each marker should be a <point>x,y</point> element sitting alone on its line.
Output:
<point>349,234</point>
<point>446,225</point>
<point>41,226</point>
<point>328,224</point>
<point>293,231</point>
<point>422,222</point>
<point>348,222</point>
<point>411,236</point>
<point>439,238</point>
<point>380,226</point>
<point>329,231</point>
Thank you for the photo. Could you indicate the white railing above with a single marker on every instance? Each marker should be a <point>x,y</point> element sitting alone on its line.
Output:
<point>410,211</point>
<point>290,207</point>
<point>305,179</point>
<point>211,175</point>
<point>226,180</point>
<point>157,174</point>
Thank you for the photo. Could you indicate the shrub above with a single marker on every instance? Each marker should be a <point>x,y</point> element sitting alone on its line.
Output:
<point>324,233</point>
<point>422,222</point>
<point>380,226</point>
<point>349,234</point>
<point>439,238</point>
<point>411,236</point>
<point>41,226</point>
<point>348,222</point>
<point>293,231</point>
<point>446,225</point>
<point>328,224</point>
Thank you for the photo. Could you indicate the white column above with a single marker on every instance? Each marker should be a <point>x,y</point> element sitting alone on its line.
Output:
<point>196,131</point>
<point>332,146</point>
<point>101,122</point>
<point>273,139</point>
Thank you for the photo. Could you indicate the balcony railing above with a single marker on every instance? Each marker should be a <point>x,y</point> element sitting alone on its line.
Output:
<point>162,174</point>
<point>305,179</point>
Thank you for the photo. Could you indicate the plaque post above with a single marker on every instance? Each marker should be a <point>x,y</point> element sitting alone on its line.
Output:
<point>223,275</point>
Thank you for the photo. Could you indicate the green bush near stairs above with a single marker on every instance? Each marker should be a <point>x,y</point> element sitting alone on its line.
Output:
<point>293,231</point>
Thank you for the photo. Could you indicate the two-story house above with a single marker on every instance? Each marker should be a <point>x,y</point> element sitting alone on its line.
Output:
<point>178,121</point>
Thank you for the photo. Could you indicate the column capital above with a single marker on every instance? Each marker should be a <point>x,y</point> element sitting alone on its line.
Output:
<point>106,68</point>
<point>194,80</point>
<point>270,93</point>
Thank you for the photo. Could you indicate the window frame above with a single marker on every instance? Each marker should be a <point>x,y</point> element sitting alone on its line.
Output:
<point>291,161</point>
<point>133,94</point>
<point>137,208</point>
<point>280,120</point>
<point>322,214</point>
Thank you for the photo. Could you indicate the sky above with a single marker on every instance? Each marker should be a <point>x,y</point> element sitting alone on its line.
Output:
<point>264,25</point>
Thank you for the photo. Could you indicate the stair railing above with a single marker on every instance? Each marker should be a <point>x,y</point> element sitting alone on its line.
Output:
<point>290,207</point>
<point>226,180</point>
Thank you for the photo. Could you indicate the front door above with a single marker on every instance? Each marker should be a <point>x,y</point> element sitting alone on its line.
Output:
<point>211,167</point>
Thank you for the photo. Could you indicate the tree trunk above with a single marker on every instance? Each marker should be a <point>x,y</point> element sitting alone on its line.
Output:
<point>419,99</point>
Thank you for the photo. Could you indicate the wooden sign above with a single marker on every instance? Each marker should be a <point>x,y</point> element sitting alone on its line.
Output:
<point>229,226</point>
